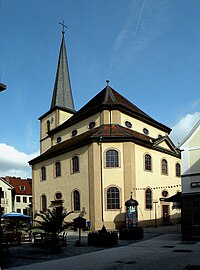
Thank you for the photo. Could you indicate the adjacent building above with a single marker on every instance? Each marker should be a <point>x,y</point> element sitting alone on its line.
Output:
<point>190,147</point>
<point>6,195</point>
<point>91,160</point>
<point>16,195</point>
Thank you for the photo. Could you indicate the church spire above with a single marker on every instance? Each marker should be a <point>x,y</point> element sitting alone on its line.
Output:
<point>62,93</point>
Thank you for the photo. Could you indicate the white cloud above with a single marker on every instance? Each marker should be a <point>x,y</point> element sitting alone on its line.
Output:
<point>181,129</point>
<point>14,162</point>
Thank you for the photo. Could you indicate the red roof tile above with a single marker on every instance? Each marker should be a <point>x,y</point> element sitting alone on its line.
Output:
<point>109,133</point>
<point>17,182</point>
<point>108,98</point>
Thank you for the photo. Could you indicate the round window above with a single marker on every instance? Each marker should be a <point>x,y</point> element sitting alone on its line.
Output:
<point>74,132</point>
<point>128,124</point>
<point>59,140</point>
<point>165,193</point>
<point>91,125</point>
<point>58,195</point>
<point>145,130</point>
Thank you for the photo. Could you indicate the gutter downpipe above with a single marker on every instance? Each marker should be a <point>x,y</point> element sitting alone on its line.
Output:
<point>101,175</point>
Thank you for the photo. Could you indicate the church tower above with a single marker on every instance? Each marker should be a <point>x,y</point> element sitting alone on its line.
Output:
<point>62,105</point>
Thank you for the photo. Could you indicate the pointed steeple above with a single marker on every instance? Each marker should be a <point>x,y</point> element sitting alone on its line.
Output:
<point>62,93</point>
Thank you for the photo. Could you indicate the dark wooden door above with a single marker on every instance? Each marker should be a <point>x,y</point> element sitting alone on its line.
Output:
<point>166,217</point>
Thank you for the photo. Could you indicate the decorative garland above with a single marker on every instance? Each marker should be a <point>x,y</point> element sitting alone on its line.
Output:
<point>157,187</point>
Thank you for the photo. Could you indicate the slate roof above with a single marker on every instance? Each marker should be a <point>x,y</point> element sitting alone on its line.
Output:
<point>62,94</point>
<point>105,133</point>
<point>110,99</point>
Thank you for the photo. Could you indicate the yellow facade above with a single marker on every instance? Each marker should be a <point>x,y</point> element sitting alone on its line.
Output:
<point>92,160</point>
<point>93,178</point>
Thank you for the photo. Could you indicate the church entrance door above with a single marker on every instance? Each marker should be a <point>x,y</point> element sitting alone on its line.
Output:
<point>166,217</point>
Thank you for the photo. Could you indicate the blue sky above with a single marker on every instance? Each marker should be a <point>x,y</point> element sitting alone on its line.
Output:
<point>148,49</point>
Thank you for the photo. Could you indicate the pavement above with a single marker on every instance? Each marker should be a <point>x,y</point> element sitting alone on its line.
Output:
<point>161,248</point>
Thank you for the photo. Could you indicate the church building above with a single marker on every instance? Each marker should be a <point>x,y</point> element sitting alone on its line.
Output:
<point>93,159</point>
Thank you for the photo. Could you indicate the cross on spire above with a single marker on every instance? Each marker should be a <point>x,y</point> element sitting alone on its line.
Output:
<point>63,27</point>
<point>107,81</point>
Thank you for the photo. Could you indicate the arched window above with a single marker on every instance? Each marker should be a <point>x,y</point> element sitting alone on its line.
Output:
<point>164,166</point>
<point>112,158</point>
<point>75,164</point>
<point>147,162</point>
<point>48,126</point>
<point>77,206</point>
<point>43,173</point>
<point>58,169</point>
<point>178,170</point>
<point>113,198</point>
<point>44,203</point>
<point>148,198</point>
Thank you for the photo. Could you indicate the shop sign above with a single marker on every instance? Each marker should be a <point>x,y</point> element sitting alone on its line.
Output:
<point>195,184</point>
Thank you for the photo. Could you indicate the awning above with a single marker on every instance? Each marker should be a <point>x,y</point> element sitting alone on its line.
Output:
<point>15,215</point>
<point>175,198</point>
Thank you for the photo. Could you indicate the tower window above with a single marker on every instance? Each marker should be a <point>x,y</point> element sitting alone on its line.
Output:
<point>48,126</point>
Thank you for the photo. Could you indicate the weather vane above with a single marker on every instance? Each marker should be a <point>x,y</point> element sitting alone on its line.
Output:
<point>63,27</point>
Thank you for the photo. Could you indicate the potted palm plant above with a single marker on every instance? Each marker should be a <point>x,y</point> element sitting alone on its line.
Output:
<point>51,223</point>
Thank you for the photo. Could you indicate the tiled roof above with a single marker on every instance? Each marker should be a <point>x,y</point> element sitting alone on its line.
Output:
<point>17,182</point>
<point>108,98</point>
<point>107,133</point>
